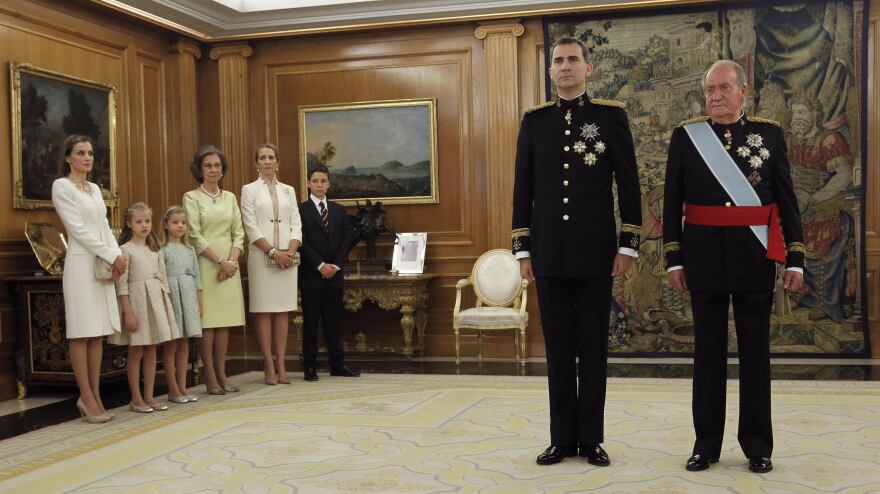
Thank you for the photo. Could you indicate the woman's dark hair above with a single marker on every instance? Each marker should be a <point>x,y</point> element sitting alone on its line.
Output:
<point>195,166</point>
<point>67,148</point>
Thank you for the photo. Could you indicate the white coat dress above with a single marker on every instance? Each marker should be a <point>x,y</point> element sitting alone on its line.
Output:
<point>90,306</point>
<point>270,289</point>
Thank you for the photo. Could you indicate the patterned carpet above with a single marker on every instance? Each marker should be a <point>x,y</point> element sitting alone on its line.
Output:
<point>421,434</point>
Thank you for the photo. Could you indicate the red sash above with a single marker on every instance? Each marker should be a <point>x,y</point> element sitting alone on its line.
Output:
<point>742,216</point>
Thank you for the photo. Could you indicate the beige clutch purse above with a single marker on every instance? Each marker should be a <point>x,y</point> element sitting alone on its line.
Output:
<point>103,269</point>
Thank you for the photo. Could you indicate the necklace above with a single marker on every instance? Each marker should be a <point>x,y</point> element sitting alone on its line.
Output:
<point>212,196</point>
<point>82,187</point>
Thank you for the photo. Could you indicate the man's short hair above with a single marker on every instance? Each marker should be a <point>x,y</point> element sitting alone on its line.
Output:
<point>318,168</point>
<point>570,40</point>
<point>741,77</point>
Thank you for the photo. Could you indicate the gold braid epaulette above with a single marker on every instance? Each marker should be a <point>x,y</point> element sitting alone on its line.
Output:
<point>693,120</point>
<point>608,102</point>
<point>764,120</point>
<point>542,105</point>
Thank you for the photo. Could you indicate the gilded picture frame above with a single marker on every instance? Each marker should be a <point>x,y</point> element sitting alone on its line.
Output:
<point>377,150</point>
<point>48,106</point>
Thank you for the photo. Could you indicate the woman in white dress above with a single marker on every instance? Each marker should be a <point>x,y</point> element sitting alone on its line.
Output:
<point>89,304</point>
<point>270,213</point>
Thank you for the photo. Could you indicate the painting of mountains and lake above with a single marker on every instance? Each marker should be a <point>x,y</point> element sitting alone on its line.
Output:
<point>378,150</point>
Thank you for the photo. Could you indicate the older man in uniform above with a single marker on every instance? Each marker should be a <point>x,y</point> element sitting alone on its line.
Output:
<point>729,175</point>
<point>564,235</point>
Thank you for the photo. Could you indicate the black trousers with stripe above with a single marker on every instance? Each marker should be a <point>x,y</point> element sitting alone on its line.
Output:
<point>574,316</point>
<point>751,314</point>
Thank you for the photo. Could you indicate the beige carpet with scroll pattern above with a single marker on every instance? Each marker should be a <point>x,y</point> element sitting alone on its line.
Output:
<point>433,433</point>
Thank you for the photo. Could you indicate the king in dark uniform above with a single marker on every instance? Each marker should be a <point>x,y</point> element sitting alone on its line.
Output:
<point>728,175</point>
<point>564,234</point>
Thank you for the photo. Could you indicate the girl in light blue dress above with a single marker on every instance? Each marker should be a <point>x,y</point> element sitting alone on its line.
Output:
<point>185,282</point>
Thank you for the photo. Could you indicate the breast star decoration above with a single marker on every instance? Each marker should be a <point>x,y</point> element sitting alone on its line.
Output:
<point>755,153</point>
<point>589,132</point>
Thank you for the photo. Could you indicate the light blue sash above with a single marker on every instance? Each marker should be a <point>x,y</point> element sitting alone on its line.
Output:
<point>726,171</point>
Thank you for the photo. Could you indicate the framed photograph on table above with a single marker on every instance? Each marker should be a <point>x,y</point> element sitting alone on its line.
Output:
<point>375,150</point>
<point>48,106</point>
<point>409,253</point>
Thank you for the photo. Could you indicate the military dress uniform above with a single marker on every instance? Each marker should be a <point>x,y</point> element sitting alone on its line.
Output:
<point>729,262</point>
<point>568,153</point>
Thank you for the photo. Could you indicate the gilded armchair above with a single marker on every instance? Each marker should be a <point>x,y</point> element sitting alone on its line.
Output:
<point>501,301</point>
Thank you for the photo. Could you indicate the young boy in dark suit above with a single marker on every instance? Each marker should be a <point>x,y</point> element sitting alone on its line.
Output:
<point>327,238</point>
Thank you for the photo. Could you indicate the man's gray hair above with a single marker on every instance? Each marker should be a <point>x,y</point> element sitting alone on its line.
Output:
<point>740,73</point>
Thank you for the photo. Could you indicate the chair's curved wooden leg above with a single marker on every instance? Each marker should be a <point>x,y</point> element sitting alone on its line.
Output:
<point>457,348</point>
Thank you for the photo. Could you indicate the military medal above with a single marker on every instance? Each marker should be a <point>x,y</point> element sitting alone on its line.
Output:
<point>589,131</point>
<point>589,159</point>
<point>600,147</point>
<point>728,138</point>
<point>580,147</point>
<point>568,116</point>
<point>754,142</point>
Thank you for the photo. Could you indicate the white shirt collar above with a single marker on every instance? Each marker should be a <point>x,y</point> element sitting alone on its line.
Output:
<point>317,201</point>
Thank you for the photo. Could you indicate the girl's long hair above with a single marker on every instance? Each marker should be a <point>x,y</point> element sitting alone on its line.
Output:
<point>126,235</point>
<point>163,234</point>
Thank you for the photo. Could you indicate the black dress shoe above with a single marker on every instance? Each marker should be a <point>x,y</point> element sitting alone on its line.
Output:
<point>555,454</point>
<point>344,371</point>
<point>310,374</point>
<point>760,464</point>
<point>698,462</point>
<point>595,455</point>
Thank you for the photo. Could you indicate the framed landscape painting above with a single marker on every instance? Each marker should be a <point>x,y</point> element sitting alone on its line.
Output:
<point>378,150</point>
<point>47,107</point>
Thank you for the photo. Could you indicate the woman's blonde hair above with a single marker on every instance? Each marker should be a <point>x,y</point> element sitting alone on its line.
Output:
<point>163,234</point>
<point>126,235</point>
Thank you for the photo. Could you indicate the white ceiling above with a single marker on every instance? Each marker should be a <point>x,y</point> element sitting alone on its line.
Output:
<point>213,20</point>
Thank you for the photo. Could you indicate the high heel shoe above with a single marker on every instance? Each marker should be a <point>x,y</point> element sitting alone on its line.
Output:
<point>139,408</point>
<point>105,412</point>
<point>92,419</point>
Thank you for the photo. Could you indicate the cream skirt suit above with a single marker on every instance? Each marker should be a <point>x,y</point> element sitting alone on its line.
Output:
<point>89,304</point>
<point>270,289</point>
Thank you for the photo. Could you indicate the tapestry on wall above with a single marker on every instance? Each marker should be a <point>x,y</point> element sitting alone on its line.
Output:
<point>804,63</point>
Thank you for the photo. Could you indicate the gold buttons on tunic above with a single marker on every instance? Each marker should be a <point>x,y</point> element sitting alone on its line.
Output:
<point>565,217</point>
<point>727,204</point>
<point>565,183</point>
<point>565,148</point>
<point>565,200</point>
<point>565,165</point>
<point>567,132</point>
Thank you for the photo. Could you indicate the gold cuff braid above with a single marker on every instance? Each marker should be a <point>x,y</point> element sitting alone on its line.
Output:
<point>797,247</point>
<point>628,228</point>
<point>519,232</point>
<point>671,247</point>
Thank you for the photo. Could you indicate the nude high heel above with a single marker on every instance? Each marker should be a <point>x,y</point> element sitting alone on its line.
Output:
<point>92,419</point>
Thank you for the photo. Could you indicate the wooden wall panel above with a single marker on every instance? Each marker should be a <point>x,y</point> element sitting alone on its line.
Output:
<point>872,183</point>
<point>71,39</point>
<point>443,63</point>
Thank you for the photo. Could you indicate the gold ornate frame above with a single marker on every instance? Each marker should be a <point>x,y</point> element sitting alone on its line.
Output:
<point>16,69</point>
<point>430,105</point>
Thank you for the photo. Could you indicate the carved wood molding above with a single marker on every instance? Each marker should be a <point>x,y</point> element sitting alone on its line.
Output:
<point>502,117</point>
<point>185,46</point>
<point>241,49</point>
